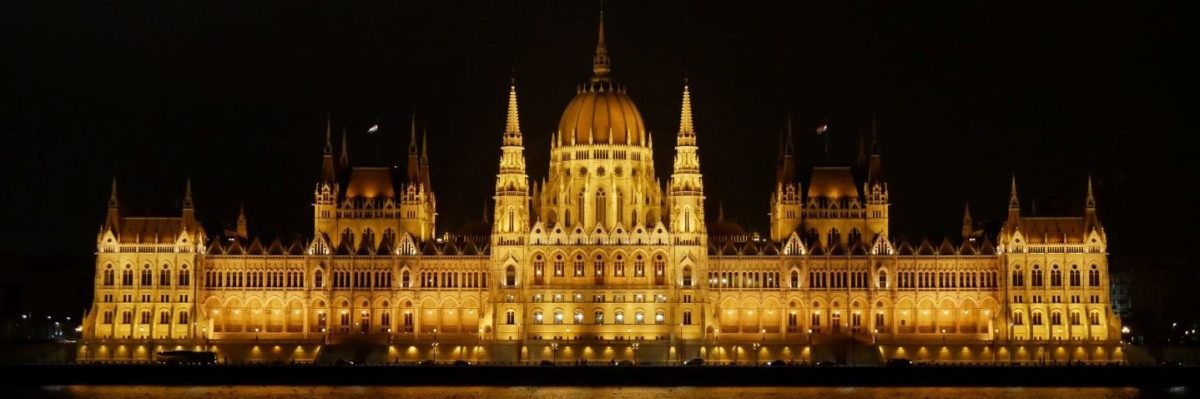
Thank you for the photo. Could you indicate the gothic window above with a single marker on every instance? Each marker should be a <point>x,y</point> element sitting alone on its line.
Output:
<point>1055,277</point>
<point>639,318</point>
<point>1094,277</point>
<point>1056,318</point>
<point>620,317</point>
<point>185,276</point>
<point>510,276</point>
<point>795,279</point>
<point>687,276</point>
<point>510,317</point>
<point>539,269</point>
<point>405,279</point>
<point>600,208</point>
<point>620,203</point>
<point>578,265</point>
<point>833,237</point>
<point>660,267</point>
<point>1036,278</point>
<point>1018,318</point>
<point>598,265</point>
<point>108,317</point>
<point>687,317</point>
<point>318,279</point>
<point>164,276</point>
<point>883,283</point>
<point>109,275</point>
<point>147,277</point>
<point>559,266</point>
<point>1074,319</point>
<point>619,266</point>
<point>1037,318</point>
<point>855,235</point>
<point>1075,276</point>
<point>639,267</point>
<point>512,219</point>
<point>1094,318</point>
<point>145,317</point>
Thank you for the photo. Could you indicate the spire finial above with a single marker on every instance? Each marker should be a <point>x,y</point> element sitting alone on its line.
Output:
<point>1091,198</point>
<point>112,198</point>
<point>968,228</point>
<point>685,114</point>
<point>601,64</point>
<point>513,122</point>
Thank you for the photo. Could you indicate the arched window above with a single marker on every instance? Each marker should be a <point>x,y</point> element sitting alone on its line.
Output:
<point>558,317</point>
<point>1036,318</point>
<point>601,206</point>
<point>109,276</point>
<point>1094,318</point>
<point>1056,318</point>
<point>598,269</point>
<point>855,235</point>
<point>1074,318</point>
<point>1036,277</point>
<point>318,279</point>
<point>619,266</point>
<point>687,276</point>
<point>145,317</point>
<point>578,266</point>
<point>406,279</point>
<point>1075,278</point>
<point>639,317</point>
<point>1018,277</point>
<point>539,269</point>
<point>164,317</point>
<point>512,219</point>
<point>795,279</point>
<point>833,237</point>
<point>620,317</point>
<point>164,277</point>
<point>185,276</point>
<point>537,317</point>
<point>510,276</point>
<point>883,283</point>
<point>147,277</point>
<point>1094,277</point>
<point>559,266</point>
<point>578,319</point>
<point>1018,318</point>
<point>183,317</point>
<point>660,317</point>
<point>510,317</point>
<point>598,317</point>
<point>1055,277</point>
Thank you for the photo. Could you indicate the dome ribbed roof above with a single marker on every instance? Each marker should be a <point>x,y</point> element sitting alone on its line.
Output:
<point>598,112</point>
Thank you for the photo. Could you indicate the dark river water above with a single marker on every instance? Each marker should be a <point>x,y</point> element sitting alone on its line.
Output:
<point>329,392</point>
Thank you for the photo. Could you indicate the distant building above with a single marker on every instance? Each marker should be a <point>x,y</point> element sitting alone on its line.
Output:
<point>1122,303</point>
<point>601,259</point>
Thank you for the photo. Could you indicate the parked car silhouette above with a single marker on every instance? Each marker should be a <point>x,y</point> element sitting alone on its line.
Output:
<point>899,362</point>
<point>694,362</point>
<point>777,363</point>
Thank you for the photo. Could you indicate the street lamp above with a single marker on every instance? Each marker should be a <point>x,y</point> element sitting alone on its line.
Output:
<point>756,345</point>
<point>554,352</point>
<point>635,350</point>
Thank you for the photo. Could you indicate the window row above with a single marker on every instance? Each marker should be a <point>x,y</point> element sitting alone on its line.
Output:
<point>1074,277</point>
<point>164,317</point>
<point>181,278</point>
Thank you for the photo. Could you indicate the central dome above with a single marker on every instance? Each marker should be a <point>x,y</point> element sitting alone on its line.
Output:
<point>598,112</point>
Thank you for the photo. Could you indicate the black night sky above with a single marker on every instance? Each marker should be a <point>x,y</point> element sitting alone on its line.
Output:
<point>234,94</point>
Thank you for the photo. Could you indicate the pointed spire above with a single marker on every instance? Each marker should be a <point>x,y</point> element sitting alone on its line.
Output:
<point>601,64</point>
<point>412,136</point>
<point>786,173</point>
<point>112,198</point>
<point>328,134</point>
<point>968,227</point>
<point>242,230</point>
<point>1013,202</point>
<point>344,160</point>
<point>424,147</point>
<point>187,195</point>
<point>513,122</point>
<point>1091,198</point>
<point>721,212</point>
<point>685,114</point>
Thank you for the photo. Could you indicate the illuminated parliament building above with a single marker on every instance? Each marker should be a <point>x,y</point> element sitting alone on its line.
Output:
<point>599,260</point>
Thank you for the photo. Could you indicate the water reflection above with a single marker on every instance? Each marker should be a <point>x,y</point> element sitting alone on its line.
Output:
<point>330,392</point>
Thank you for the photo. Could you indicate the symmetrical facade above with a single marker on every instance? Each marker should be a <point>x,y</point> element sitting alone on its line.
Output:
<point>599,260</point>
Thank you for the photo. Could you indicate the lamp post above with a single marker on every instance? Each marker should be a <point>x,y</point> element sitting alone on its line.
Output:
<point>554,352</point>
<point>756,345</point>
<point>434,346</point>
<point>635,351</point>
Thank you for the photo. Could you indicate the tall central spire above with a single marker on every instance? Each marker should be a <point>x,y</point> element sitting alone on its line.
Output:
<point>685,115</point>
<point>601,65</point>
<point>513,123</point>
